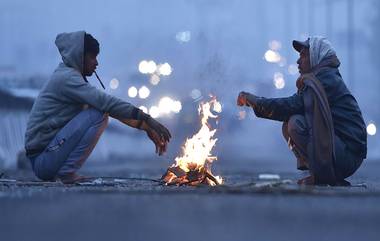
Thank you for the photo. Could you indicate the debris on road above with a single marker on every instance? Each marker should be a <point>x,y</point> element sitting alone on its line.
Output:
<point>269,176</point>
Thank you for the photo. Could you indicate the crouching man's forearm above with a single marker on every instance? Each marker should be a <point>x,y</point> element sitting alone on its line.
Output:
<point>158,133</point>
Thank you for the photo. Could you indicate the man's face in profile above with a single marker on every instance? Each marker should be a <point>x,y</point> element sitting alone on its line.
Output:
<point>90,63</point>
<point>304,61</point>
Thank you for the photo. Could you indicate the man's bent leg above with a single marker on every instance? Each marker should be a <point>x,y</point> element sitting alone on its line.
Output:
<point>296,134</point>
<point>346,163</point>
<point>85,146</point>
<point>54,157</point>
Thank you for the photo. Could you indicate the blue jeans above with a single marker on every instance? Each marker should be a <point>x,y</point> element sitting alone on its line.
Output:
<point>72,145</point>
<point>295,131</point>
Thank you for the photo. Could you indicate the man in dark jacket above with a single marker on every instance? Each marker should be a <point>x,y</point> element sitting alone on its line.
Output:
<point>69,115</point>
<point>323,124</point>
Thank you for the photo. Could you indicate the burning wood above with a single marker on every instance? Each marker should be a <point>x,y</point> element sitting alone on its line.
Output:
<point>194,166</point>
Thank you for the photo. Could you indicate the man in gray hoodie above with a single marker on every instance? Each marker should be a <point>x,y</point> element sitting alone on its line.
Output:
<point>69,115</point>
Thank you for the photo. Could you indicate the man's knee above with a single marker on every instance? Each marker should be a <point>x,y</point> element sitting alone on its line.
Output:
<point>295,126</point>
<point>44,176</point>
<point>44,171</point>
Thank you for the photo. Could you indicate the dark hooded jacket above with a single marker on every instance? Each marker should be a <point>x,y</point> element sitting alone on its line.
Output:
<point>347,118</point>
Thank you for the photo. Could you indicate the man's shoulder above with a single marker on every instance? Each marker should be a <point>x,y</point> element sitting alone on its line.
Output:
<point>330,77</point>
<point>63,72</point>
<point>329,73</point>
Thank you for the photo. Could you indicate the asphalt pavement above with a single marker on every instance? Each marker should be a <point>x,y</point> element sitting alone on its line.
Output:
<point>129,204</point>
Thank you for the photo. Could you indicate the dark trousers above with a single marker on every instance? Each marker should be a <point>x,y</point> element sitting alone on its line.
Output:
<point>296,133</point>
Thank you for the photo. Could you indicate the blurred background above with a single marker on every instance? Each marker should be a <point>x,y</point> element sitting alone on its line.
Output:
<point>168,56</point>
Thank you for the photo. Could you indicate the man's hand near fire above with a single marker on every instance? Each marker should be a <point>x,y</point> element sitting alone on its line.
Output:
<point>158,133</point>
<point>246,99</point>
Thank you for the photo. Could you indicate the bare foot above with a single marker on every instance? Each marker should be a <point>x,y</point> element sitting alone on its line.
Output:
<point>307,181</point>
<point>72,178</point>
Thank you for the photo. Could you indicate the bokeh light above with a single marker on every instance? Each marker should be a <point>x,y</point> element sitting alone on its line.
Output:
<point>114,83</point>
<point>154,111</point>
<point>177,106</point>
<point>195,94</point>
<point>147,67</point>
<point>165,69</point>
<point>154,79</point>
<point>152,67</point>
<point>144,109</point>
<point>293,69</point>
<point>282,62</point>
<point>272,56</point>
<point>144,92</point>
<point>183,37</point>
<point>143,67</point>
<point>275,45</point>
<point>371,129</point>
<point>278,80</point>
<point>165,105</point>
<point>132,92</point>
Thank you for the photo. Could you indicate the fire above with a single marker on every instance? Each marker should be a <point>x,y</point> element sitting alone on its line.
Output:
<point>194,166</point>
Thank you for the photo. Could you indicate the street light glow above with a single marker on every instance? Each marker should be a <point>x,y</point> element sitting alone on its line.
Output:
<point>165,105</point>
<point>275,45</point>
<point>144,109</point>
<point>154,79</point>
<point>154,111</point>
<point>278,80</point>
<point>114,83</point>
<point>183,36</point>
<point>144,92</point>
<point>272,56</point>
<point>132,92</point>
<point>371,129</point>
<point>147,67</point>
<point>195,94</point>
<point>165,69</point>
<point>293,69</point>
<point>177,106</point>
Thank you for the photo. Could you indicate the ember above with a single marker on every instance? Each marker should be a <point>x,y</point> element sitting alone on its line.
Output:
<point>194,166</point>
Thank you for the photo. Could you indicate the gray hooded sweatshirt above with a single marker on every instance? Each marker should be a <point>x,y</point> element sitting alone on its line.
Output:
<point>65,95</point>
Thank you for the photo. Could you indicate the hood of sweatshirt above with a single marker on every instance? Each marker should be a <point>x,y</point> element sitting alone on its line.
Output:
<point>71,48</point>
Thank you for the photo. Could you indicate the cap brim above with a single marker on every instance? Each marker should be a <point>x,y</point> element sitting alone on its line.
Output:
<point>299,45</point>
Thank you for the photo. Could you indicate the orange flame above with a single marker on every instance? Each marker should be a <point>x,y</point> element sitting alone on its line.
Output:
<point>197,155</point>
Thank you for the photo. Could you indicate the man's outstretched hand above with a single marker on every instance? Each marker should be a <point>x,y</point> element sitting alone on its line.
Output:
<point>242,99</point>
<point>246,99</point>
<point>158,133</point>
<point>155,131</point>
